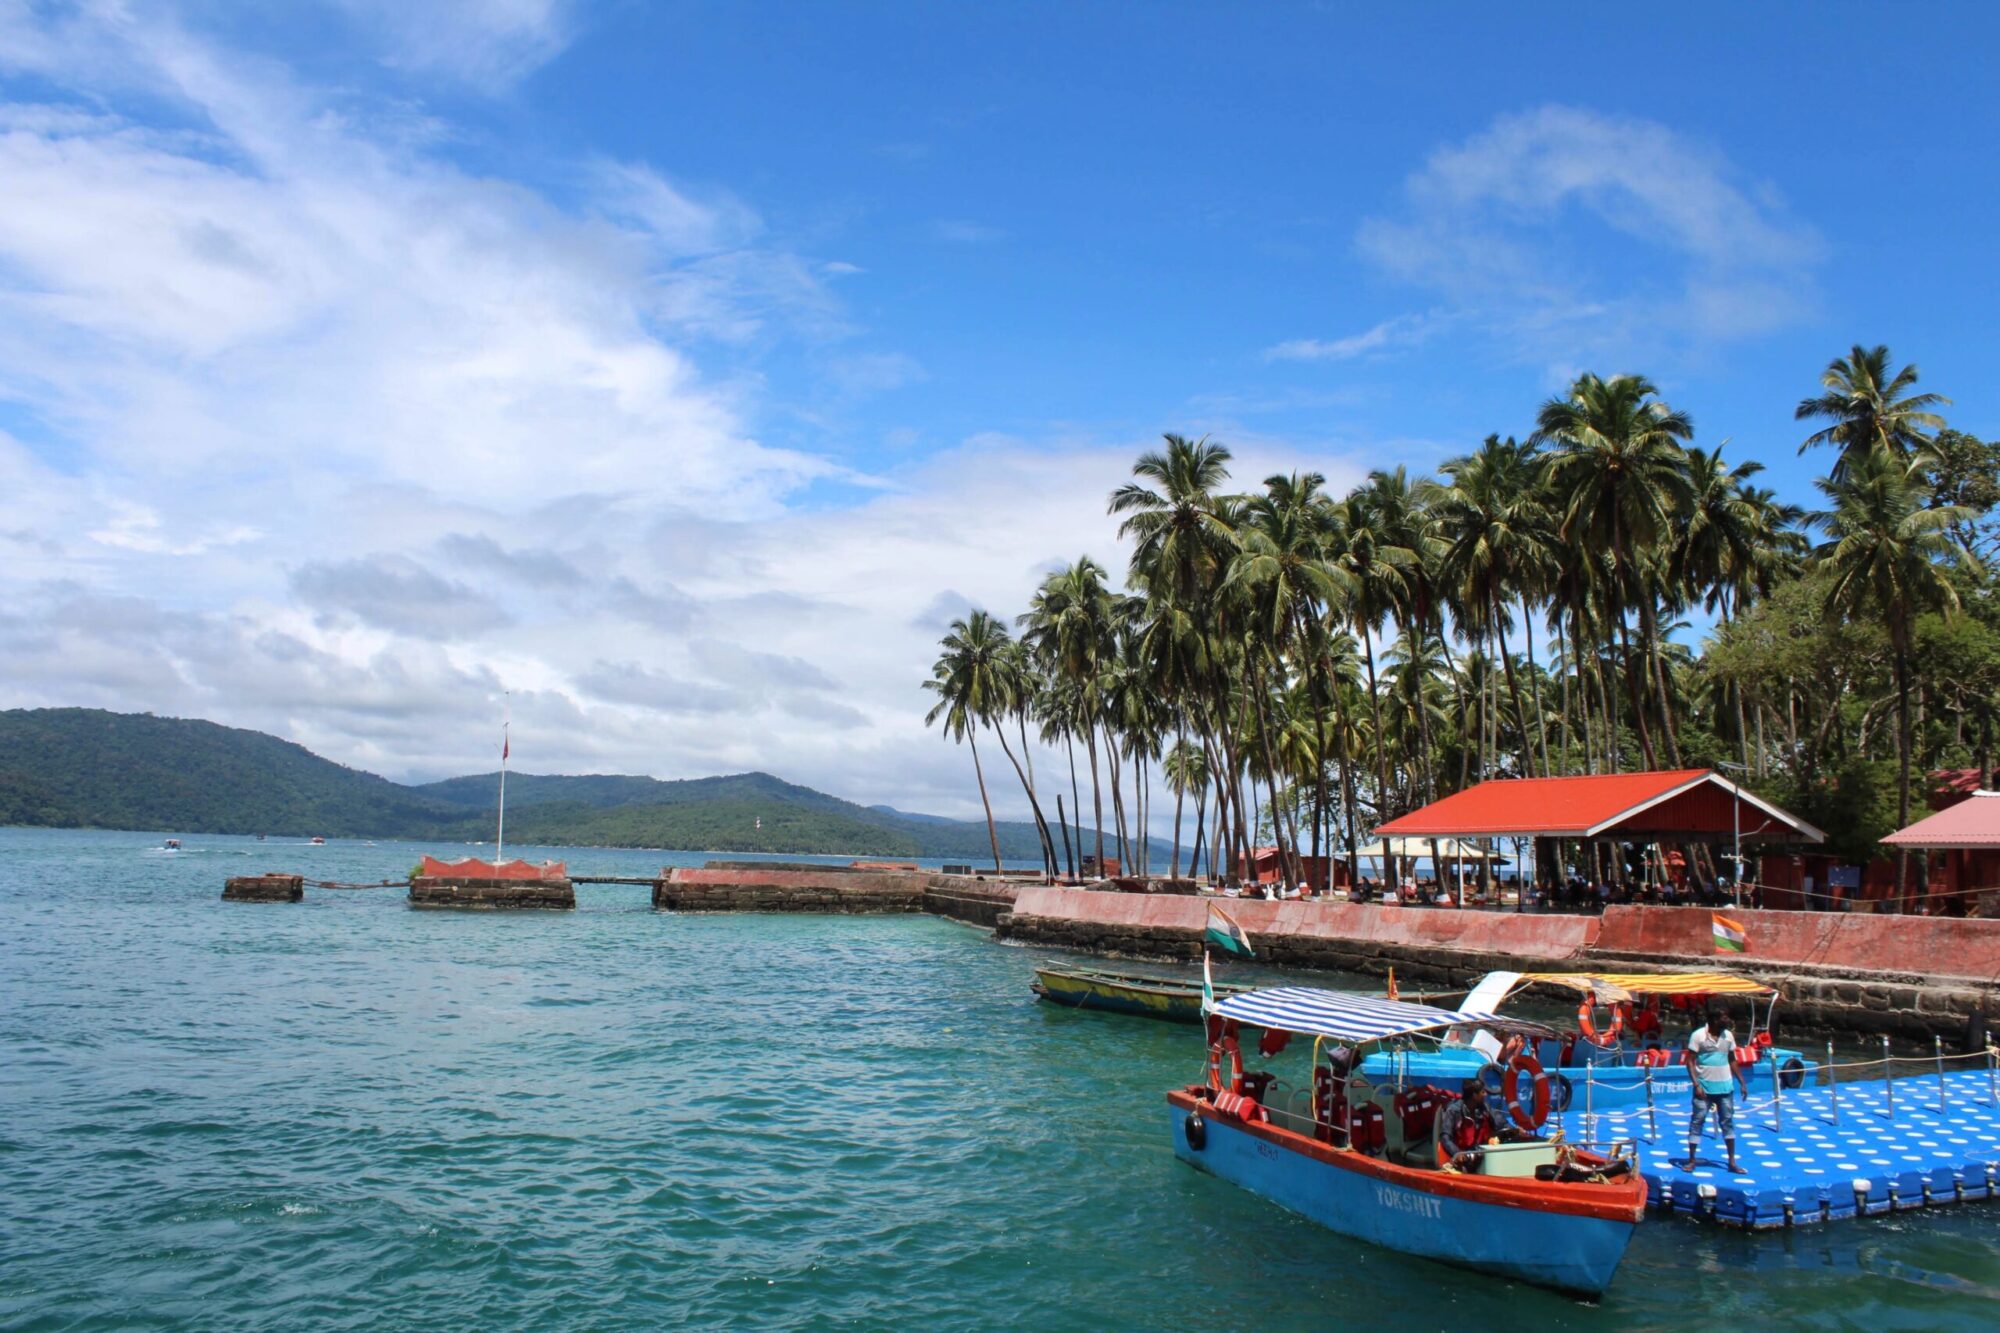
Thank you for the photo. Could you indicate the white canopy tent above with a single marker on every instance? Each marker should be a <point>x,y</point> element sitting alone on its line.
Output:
<point>1448,849</point>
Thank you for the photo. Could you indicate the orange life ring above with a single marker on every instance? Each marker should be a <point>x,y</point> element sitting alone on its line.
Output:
<point>1531,1117</point>
<point>1586,1023</point>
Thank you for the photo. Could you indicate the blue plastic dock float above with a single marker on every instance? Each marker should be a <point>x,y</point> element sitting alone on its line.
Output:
<point>1806,1164</point>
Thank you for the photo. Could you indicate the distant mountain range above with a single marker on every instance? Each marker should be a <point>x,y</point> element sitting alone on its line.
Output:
<point>85,768</point>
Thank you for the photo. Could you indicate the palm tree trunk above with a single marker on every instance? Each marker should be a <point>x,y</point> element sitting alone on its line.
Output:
<point>1632,689</point>
<point>1034,806</point>
<point>1381,746</point>
<point>1174,870</point>
<point>1096,792</point>
<point>1034,801</point>
<point>1200,828</point>
<point>1114,764</point>
<point>1535,683</point>
<point>1514,692</point>
<point>1900,633</point>
<point>1656,666</point>
<point>992,833</point>
<point>1075,801</point>
<point>1069,853</point>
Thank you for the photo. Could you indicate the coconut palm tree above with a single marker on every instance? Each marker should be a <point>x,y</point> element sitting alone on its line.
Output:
<point>1887,554</point>
<point>1496,544</point>
<point>1618,471</point>
<point>1185,768</point>
<point>1870,408</point>
<point>1071,629</point>
<point>971,680</point>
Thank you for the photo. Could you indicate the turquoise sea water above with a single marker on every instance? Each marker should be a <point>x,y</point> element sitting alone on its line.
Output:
<point>349,1114</point>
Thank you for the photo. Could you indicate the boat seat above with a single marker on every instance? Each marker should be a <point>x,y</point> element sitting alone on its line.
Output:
<point>1418,1110</point>
<point>1366,1131</point>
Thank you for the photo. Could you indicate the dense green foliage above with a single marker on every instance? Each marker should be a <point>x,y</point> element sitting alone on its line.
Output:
<point>82,768</point>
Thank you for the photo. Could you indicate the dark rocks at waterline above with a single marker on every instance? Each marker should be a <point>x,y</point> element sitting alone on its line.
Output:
<point>264,889</point>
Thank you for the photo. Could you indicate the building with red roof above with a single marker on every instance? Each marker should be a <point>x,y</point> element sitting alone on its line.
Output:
<point>1677,805</point>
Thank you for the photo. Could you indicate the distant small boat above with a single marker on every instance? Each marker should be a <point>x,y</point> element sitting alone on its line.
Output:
<point>172,845</point>
<point>319,842</point>
<point>1175,999</point>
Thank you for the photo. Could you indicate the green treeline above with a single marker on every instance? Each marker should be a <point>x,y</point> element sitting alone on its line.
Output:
<point>1300,666</point>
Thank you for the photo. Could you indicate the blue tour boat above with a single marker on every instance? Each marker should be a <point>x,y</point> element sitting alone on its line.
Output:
<point>1361,1155</point>
<point>1621,1062</point>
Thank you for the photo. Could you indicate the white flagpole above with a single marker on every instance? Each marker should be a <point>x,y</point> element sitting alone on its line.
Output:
<point>500,838</point>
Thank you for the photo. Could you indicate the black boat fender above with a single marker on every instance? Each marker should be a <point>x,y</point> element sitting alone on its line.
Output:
<point>1976,1034</point>
<point>1195,1130</point>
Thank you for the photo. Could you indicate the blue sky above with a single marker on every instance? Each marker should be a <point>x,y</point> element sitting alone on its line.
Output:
<point>682,367</point>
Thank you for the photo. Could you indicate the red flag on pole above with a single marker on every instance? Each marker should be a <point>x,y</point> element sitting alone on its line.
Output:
<point>503,745</point>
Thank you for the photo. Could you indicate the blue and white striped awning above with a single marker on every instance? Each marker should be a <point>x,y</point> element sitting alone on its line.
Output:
<point>1343,1015</point>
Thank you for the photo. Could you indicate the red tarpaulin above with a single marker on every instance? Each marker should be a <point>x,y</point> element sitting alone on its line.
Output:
<point>1681,803</point>
<point>473,868</point>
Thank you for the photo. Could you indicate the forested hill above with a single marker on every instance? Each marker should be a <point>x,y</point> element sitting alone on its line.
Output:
<point>84,768</point>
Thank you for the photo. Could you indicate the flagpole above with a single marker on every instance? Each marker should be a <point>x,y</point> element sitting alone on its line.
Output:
<point>500,838</point>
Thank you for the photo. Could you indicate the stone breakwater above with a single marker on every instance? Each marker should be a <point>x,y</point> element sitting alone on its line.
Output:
<point>1908,977</point>
<point>264,889</point>
<point>749,886</point>
<point>494,895</point>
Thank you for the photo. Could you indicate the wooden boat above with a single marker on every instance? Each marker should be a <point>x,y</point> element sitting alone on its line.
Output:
<point>1175,999</point>
<point>1363,1158</point>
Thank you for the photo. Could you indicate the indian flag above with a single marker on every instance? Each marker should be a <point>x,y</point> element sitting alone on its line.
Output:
<point>1729,935</point>
<point>1225,934</point>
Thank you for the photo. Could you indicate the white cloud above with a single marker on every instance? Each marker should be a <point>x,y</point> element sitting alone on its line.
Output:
<point>1505,226</point>
<point>1403,330</point>
<point>334,438</point>
<point>481,41</point>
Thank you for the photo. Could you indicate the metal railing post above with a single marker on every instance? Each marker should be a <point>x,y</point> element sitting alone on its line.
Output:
<point>1589,1102</point>
<point>1832,1086</point>
<point>1652,1123</point>
<point>1938,1043</point>
<point>1777,1096</point>
<point>1888,1077</point>
<point>1993,1073</point>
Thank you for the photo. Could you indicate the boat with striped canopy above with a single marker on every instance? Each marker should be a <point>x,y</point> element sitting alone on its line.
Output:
<point>1363,1155</point>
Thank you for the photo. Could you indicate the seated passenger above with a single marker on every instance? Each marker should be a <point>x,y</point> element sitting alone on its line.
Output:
<point>1467,1126</point>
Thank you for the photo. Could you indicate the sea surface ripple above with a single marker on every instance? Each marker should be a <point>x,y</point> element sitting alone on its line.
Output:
<point>348,1114</point>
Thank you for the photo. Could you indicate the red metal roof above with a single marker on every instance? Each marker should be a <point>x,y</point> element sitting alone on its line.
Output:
<point>1973,822</point>
<point>1675,802</point>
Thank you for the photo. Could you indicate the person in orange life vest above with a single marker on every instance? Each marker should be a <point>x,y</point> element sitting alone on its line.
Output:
<point>1710,1058</point>
<point>1467,1125</point>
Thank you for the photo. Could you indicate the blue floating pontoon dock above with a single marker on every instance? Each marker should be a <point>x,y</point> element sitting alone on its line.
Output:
<point>1821,1153</point>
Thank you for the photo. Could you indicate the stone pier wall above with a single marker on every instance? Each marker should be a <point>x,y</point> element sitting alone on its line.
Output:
<point>975,902</point>
<point>264,889</point>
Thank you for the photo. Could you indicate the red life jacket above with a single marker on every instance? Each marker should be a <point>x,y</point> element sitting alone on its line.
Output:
<point>1471,1131</point>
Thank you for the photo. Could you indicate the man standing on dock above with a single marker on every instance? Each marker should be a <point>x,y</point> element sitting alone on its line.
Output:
<point>1711,1062</point>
